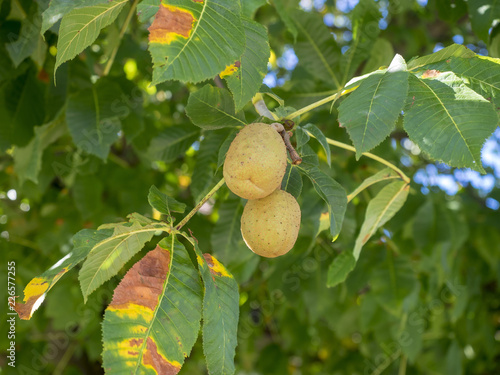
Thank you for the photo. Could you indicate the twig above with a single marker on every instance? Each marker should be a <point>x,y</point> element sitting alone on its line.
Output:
<point>200,203</point>
<point>122,32</point>
<point>294,155</point>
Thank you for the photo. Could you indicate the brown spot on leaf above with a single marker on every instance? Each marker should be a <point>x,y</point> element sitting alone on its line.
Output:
<point>169,23</point>
<point>143,283</point>
<point>161,365</point>
<point>135,342</point>
<point>431,73</point>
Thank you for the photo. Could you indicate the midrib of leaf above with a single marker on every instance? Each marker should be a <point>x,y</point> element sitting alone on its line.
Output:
<point>369,111</point>
<point>449,115</point>
<point>288,177</point>
<point>92,20</point>
<point>325,63</point>
<point>217,109</point>
<point>165,285</point>
<point>193,33</point>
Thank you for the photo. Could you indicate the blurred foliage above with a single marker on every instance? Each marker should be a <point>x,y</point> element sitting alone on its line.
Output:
<point>424,295</point>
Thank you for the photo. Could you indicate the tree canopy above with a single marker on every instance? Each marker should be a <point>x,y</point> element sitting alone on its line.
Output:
<point>121,242</point>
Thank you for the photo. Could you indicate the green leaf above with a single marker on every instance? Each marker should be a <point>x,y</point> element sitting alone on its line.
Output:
<point>380,210</point>
<point>448,120</point>
<point>213,108</point>
<point>332,193</point>
<point>456,50</point>
<point>285,8</point>
<point>58,8</point>
<point>320,137</point>
<point>220,314</point>
<point>92,122</point>
<point>163,203</point>
<point>302,137</point>
<point>28,38</point>
<point>365,30</point>
<point>35,291</point>
<point>203,176</point>
<point>226,235</point>
<point>380,56</point>
<point>370,113</point>
<point>292,180</point>
<point>154,318</point>
<point>147,9</point>
<point>28,159</point>
<point>172,142</point>
<point>245,81</point>
<point>482,14</point>
<point>110,255</point>
<point>341,266</point>
<point>383,175</point>
<point>87,193</point>
<point>224,147</point>
<point>205,38</point>
<point>316,49</point>
<point>81,27</point>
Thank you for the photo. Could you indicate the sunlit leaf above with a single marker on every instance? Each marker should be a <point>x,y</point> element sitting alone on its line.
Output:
<point>154,318</point>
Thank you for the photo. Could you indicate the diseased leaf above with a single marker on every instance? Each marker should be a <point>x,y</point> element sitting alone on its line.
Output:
<point>147,9</point>
<point>320,137</point>
<point>212,108</point>
<point>110,255</point>
<point>448,120</point>
<point>35,291</point>
<point>81,26</point>
<point>245,80</point>
<point>380,210</point>
<point>220,314</point>
<point>196,40</point>
<point>340,268</point>
<point>172,142</point>
<point>154,318</point>
<point>332,193</point>
<point>370,113</point>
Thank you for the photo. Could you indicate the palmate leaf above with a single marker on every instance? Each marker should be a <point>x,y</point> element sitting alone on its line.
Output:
<point>448,120</point>
<point>316,49</point>
<point>154,318</point>
<point>370,113</point>
<point>212,108</point>
<point>380,210</point>
<point>92,121</point>
<point>244,81</point>
<point>35,291</point>
<point>191,41</point>
<point>331,192</point>
<point>80,27</point>
<point>220,314</point>
<point>163,203</point>
<point>110,255</point>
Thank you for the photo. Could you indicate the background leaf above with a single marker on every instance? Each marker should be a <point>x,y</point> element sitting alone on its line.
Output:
<point>212,108</point>
<point>172,142</point>
<point>341,266</point>
<point>163,203</point>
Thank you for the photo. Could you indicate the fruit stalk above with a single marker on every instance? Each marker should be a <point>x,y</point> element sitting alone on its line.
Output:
<point>294,155</point>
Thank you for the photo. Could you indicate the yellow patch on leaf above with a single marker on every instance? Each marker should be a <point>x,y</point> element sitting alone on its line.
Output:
<point>230,70</point>
<point>216,268</point>
<point>170,24</point>
<point>133,311</point>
